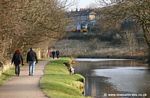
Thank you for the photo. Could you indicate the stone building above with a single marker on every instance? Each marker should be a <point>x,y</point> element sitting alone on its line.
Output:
<point>82,19</point>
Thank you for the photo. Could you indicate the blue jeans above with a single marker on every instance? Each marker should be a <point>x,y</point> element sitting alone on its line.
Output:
<point>31,67</point>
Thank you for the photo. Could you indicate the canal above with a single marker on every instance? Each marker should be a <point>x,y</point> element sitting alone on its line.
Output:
<point>114,78</point>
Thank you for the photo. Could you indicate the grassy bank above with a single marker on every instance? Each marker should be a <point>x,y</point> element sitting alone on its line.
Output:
<point>58,83</point>
<point>6,75</point>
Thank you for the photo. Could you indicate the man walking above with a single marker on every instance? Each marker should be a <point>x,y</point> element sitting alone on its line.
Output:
<point>57,54</point>
<point>32,60</point>
<point>53,54</point>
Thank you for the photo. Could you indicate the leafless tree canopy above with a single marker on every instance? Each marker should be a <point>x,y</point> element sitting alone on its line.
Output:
<point>138,10</point>
<point>25,23</point>
<point>108,2</point>
<point>117,11</point>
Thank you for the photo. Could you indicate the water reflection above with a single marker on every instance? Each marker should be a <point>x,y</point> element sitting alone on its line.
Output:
<point>115,77</point>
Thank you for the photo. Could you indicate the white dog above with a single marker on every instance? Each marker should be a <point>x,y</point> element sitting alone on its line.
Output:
<point>71,70</point>
<point>69,67</point>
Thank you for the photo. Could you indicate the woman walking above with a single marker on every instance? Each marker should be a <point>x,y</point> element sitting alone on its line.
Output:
<point>17,60</point>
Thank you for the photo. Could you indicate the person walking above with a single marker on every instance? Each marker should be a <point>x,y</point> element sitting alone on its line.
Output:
<point>57,54</point>
<point>53,54</point>
<point>32,60</point>
<point>17,60</point>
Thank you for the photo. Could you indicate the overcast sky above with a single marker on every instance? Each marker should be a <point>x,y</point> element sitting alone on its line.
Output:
<point>85,3</point>
<point>82,4</point>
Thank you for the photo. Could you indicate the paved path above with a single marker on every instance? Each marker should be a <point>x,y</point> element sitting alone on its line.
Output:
<point>24,86</point>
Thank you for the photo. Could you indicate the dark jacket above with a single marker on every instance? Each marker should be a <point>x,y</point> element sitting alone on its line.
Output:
<point>57,52</point>
<point>31,56</point>
<point>17,59</point>
<point>53,52</point>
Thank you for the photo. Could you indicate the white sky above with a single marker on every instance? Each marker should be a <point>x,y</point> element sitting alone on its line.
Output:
<point>85,3</point>
<point>82,4</point>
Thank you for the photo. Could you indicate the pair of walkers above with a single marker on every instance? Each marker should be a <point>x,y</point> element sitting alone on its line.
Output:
<point>55,53</point>
<point>31,60</point>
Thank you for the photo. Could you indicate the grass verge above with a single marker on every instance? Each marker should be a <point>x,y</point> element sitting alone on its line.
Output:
<point>58,83</point>
<point>6,75</point>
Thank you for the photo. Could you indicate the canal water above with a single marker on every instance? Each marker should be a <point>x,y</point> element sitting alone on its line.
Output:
<point>114,78</point>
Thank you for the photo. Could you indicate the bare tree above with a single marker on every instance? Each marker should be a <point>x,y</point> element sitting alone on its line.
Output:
<point>104,3</point>
<point>26,23</point>
<point>138,10</point>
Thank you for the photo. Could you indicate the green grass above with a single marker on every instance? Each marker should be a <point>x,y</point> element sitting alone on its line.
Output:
<point>6,75</point>
<point>58,83</point>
